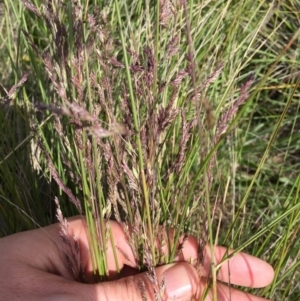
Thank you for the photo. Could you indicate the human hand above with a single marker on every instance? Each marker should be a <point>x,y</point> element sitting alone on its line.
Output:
<point>32,267</point>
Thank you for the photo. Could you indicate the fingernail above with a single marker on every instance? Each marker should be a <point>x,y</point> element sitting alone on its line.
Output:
<point>179,280</point>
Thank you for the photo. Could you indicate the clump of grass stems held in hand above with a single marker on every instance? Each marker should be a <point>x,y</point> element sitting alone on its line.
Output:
<point>136,133</point>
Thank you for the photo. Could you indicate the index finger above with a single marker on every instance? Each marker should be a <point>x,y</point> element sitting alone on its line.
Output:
<point>241,269</point>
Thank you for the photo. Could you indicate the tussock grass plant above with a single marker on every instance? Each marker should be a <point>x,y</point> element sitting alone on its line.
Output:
<point>159,115</point>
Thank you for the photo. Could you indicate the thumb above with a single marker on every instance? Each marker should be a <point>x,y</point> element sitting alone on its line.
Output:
<point>177,281</point>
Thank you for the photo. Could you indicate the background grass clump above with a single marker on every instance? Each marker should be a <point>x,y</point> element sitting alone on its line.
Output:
<point>162,114</point>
